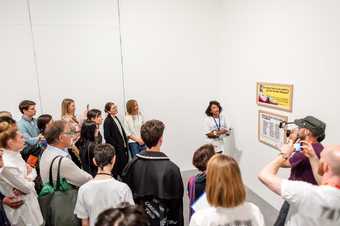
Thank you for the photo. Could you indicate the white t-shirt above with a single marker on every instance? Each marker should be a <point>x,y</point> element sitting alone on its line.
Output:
<point>311,205</point>
<point>132,125</point>
<point>98,195</point>
<point>211,124</point>
<point>246,214</point>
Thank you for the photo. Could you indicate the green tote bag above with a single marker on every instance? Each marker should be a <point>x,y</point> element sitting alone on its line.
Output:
<point>57,202</point>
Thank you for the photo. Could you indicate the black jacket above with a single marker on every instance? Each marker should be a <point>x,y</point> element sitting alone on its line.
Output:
<point>112,134</point>
<point>157,185</point>
<point>86,156</point>
<point>120,143</point>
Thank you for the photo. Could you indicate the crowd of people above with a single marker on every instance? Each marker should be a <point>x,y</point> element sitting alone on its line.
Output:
<point>123,178</point>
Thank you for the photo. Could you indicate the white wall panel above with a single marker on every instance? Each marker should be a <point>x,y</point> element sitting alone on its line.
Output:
<point>77,59</point>
<point>73,12</point>
<point>18,78</point>
<point>283,42</point>
<point>170,52</point>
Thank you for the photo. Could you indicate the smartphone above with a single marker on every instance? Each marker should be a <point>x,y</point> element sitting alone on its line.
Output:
<point>298,146</point>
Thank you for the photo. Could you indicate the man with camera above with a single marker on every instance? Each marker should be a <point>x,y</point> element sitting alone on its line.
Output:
<point>312,131</point>
<point>310,205</point>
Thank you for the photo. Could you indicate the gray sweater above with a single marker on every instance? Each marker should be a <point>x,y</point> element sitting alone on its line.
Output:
<point>68,170</point>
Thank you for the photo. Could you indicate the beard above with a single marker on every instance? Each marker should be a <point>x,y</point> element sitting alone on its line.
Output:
<point>302,136</point>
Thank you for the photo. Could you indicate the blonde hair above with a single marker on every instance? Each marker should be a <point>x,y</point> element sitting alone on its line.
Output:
<point>129,106</point>
<point>7,132</point>
<point>64,108</point>
<point>5,114</point>
<point>224,186</point>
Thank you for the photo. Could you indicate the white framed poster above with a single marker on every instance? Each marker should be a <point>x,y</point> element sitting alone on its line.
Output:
<point>269,131</point>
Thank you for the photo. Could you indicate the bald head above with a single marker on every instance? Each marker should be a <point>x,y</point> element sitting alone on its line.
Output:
<point>331,156</point>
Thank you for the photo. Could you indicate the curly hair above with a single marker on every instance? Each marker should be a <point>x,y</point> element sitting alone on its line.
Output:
<point>211,103</point>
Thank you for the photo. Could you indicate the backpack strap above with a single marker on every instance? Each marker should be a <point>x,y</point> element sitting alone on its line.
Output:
<point>191,193</point>
<point>191,189</point>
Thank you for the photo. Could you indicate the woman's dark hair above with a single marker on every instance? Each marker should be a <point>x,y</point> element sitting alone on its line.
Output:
<point>93,113</point>
<point>108,106</point>
<point>213,102</point>
<point>88,132</point>
<point>42,121</point>
<point>103,154</point>
<point>202,156</point>
<point>124,215</point>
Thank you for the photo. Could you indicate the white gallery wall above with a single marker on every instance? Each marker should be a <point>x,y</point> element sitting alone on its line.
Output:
<point>17,69</point>
<point>78,53</point>
<point>170,57</point>
<point>170,60</point>
<point>291,42</point>
<point>177,55</point>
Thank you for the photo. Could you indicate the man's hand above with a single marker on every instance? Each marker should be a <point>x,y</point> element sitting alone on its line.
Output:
<point>12,202</point>
<point>308,150</point>
<point>286,150</point>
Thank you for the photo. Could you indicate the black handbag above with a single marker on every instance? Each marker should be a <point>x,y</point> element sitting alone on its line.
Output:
<point>57,205</point>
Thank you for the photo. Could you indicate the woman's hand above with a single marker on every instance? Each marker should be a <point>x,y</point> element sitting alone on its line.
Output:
<point>29,169</point>
<point>12,201</point>
<point>140,141</point>
<point>213,134</point>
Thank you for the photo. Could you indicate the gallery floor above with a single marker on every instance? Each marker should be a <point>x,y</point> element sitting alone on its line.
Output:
<point>269,212</point>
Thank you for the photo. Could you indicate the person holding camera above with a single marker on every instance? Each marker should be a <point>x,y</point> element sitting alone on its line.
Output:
<point>310,205</point>
<point>312,131</point>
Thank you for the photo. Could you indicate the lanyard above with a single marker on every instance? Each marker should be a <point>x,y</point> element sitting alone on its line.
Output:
<point>219,122</point>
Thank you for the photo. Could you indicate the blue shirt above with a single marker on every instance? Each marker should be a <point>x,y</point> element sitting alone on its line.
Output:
<point>29,130</point>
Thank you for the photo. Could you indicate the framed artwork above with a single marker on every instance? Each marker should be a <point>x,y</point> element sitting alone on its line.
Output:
<point>278,96</point>
<point>269,131</point>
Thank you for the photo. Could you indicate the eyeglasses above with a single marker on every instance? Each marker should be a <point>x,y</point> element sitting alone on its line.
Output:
<point>71,133</point>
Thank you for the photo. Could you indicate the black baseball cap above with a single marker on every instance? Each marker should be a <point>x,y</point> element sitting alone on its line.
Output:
<point>316,126</point>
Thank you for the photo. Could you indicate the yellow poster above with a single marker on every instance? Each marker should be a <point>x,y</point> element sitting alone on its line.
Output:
<point>279,96</point>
